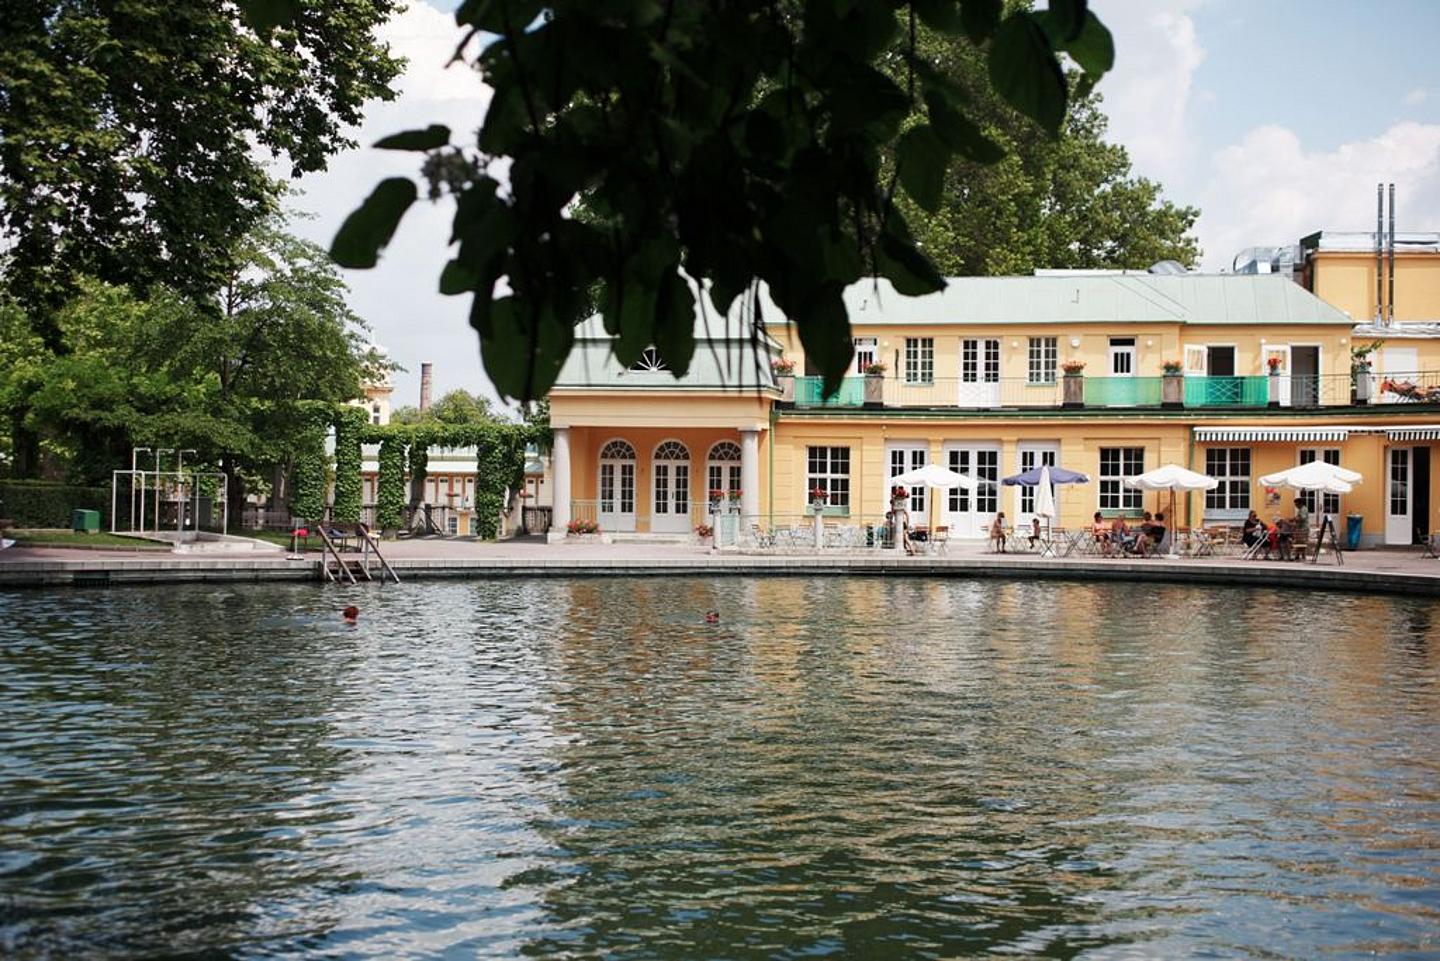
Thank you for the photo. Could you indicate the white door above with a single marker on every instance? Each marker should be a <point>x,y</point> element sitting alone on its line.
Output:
<point>1398,364</point>
<point>979,372</point>
<point>1034,455</point>
<point>1281,382</point>
<point>670,503</point>
<point>968,513</point>
<point>902,458</point>
<point>1122,359</point>
<point>1397,497</point>
<point>616,507</point>
<point>722,473</point>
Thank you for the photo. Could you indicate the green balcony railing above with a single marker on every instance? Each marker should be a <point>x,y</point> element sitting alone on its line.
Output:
<point>1122,391</point>
<point>809,392</point>
<point>1227,391</point>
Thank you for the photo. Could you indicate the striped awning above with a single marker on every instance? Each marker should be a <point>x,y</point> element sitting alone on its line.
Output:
<point>1278,434</point>
<point>1415,432</point>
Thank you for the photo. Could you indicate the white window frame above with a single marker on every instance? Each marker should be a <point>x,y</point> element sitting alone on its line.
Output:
<point>1113,494</point>
<point>827,466</point>
<point>1044,360</point>
<point>1329,503</point>
<point>919,360</point>
<point>1231,497</point>
<point>867,352</point>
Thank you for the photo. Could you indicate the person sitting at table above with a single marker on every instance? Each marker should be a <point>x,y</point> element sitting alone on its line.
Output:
<point>997,533</point>
<point>1121,537</point>
<point>1100,531</point>
<point>1154,535</point>
<point>1285,537</point>
<point>1034,531</point>
<point>1252,530</point>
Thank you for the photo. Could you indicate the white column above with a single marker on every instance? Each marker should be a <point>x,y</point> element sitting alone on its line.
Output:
<point>750,473</point>
<point>560,491</point>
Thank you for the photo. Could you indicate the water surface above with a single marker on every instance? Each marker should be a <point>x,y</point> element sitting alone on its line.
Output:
<point>585,769</point>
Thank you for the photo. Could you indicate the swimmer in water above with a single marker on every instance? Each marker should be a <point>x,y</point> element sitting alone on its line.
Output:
<point>351,613</point>
<point>712,617</point>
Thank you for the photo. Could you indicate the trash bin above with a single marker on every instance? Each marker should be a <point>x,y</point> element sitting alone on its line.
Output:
<point>1352,531</point>
<point>87,521</point>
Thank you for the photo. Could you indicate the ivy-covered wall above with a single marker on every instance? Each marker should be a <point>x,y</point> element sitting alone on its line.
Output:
<point>350,424</point>
<point>390,495</point>
<point>307,472</point>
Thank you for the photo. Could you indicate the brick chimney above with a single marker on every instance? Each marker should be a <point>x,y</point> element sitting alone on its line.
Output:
<point>425,369</point>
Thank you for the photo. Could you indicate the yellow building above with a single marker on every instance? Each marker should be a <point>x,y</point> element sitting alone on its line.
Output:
<point>975,379</point>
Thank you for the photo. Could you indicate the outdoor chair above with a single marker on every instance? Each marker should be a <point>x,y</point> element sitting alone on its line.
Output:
<point>761,538</point>
<point>1430,546</point>
<point>939,540</point>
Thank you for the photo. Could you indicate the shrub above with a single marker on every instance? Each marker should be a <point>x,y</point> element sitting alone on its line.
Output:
<point>578,526</point>
<point>47,504</point>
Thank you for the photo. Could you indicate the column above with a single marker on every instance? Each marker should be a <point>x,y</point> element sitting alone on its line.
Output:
<point>750,473</point>
<point>560,488</point>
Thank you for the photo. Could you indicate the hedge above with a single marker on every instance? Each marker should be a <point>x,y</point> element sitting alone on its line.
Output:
<point>48,504</point>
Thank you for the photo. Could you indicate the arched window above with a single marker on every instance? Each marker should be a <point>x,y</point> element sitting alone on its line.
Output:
<point>617,450</point>
<point>649,360</point>
<point>672,450</point>
<point>722,468</point>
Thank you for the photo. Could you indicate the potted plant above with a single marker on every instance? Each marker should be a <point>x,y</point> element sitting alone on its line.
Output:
<point>1360,374</point>
<point>703,532</point>
<point>784,370</point>
<point>819,497</point>
<point>874,384</point>
<point>1074,383</point>
<point>1172,385</point>
<point>1272,363</point>
<point>733,496</point>
<point>899,498</point>
<point>583,530</point>
<point>717,497</point>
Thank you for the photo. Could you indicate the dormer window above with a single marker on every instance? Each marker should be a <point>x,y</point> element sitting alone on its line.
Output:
<point>650,360</point>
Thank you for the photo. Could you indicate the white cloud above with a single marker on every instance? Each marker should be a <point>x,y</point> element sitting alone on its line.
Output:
<point>1269,189</point>
<point>1148,95</point>
<point>399,296</point>
<point>1417,96</point>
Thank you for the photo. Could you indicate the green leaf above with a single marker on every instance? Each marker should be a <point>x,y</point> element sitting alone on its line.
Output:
<point>1093,49</point>
<point>921,159</point>
<point>824,327</point>
<point>959,133</point>
<point>1024,71</point>
<point>675,323</point>
<point>432,137</point>
<point>265,15</point>
<point>523,346</point>
<point>909,270</point>
<point>457,278</point>
<point>980,18</point>
<point>490,15</point>
<point>1069,17</point>
<point>366,231</point>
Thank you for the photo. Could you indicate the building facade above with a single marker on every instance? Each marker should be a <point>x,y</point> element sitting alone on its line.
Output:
<point>1265,375</point>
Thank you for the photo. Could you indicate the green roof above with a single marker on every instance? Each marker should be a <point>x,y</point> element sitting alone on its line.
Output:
<point>1226,299</point>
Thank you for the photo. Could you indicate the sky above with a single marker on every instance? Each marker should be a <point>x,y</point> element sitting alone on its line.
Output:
<point>1275,118</point>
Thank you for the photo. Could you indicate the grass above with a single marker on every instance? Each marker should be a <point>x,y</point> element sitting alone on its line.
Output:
<point>81,541</point>
<point>277,537</point>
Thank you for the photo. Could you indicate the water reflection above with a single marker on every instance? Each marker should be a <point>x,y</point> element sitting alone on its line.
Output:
<point>869,768</point>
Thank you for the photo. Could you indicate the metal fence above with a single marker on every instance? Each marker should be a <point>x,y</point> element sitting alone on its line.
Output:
<point>781,533</point>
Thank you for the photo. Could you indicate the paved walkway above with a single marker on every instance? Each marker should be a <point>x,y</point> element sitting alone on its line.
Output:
<point>1391,570</point>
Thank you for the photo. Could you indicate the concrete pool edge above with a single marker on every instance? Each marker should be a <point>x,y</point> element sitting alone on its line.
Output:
<point>52,572</point>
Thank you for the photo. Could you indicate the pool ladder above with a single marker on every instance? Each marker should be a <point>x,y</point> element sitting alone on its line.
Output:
<point>345,568</point>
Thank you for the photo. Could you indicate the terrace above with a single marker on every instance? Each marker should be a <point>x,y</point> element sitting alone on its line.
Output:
<point>1190,392</point>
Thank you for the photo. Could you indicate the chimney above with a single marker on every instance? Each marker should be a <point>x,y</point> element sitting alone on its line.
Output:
<point>1379,254</point>
<point>1390,281</point>
<point>425,369</point>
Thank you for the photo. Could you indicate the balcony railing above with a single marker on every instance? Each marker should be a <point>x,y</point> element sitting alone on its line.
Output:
<point>1296,390</point>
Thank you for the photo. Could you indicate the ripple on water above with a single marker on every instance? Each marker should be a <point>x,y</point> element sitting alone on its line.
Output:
<point>851,768</point>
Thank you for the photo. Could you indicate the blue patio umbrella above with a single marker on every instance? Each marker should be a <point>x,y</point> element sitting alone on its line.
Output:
<point>1058,475</point>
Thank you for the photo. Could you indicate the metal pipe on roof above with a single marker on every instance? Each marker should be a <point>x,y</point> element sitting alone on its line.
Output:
<point>1379,255</point>
<point>1390,281</point>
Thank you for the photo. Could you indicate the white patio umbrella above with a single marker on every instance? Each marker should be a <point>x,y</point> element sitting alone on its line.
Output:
<point>1045,496</point>
<point>1315,476</point>
<point>1172,477</point>
<point>936,477</point>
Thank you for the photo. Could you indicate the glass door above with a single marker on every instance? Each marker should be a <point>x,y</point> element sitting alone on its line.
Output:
<point>968,513</point>
<point>979,372</point>
<point>1397,497</point>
